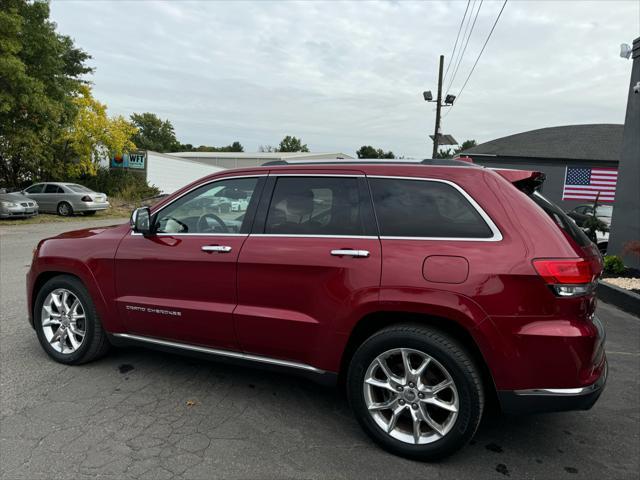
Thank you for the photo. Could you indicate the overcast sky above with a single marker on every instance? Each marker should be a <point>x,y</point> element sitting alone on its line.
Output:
<point>346,74</point>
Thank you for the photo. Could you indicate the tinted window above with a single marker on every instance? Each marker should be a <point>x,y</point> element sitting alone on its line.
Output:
<point>417,208</point>
<point>50,188</point>
<point>316,206</point>
<point>218,207</point>
<point>78,188</point>
<point>35,188</point>
<point>561,219</point>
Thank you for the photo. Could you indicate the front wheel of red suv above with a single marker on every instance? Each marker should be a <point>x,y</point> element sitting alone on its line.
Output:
<point>415,391</point>
<point>67,322</point>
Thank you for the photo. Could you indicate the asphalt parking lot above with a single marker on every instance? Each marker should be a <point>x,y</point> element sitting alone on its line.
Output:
<point>144,414</point>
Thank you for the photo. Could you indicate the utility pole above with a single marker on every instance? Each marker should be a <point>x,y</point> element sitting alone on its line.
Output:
<point>436,133</point>
<point>437,137</point>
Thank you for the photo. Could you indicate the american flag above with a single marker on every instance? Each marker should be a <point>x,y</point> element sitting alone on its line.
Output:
<point>585,183</point>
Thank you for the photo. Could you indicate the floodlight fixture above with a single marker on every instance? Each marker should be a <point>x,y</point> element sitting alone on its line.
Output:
<point>428,97</point>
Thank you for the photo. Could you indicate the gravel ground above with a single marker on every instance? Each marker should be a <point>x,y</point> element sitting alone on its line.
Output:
<point>626,283</point>
<point>141,414</point>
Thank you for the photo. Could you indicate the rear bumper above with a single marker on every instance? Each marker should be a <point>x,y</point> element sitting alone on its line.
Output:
<point>553,399</point>
<point>90,206</point>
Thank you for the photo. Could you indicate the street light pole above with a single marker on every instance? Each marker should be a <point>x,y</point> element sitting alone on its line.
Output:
<point>436,133</point>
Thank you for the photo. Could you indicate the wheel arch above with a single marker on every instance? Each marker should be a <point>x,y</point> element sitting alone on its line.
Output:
<point>376,321</point>
<point>86,278</point>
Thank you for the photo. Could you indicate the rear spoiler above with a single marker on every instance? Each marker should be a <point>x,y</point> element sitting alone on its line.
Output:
<point>527,181</point>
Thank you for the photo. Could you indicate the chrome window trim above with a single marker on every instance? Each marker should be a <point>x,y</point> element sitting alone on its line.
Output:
<point>195,234</point>
<point>285,235</point>
<point>496,234</point>
<point>220,353</point>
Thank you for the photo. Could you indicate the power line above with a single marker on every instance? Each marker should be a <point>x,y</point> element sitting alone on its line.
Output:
<point>480,54</point>
<point>455,57</point>
<point>457,37</point>
<point>465,47</point>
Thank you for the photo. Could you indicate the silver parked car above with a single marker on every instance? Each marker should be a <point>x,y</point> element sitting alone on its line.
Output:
<point>66,198</point>
<point>16,205</point>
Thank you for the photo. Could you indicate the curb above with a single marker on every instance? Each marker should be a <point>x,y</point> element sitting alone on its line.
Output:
<point>619,297</point>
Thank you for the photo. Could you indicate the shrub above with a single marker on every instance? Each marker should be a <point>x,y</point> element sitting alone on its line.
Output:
<point>613,265</point>
<point>127,185</point>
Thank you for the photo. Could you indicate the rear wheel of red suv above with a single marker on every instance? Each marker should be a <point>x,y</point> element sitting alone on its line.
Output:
<point>415,391</point>
<point>67,323</point>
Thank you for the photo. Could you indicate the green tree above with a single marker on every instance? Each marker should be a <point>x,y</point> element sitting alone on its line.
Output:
<point>450,153</point>
<point>154,133</point>
<point>40,75</point>
<point>367,151</point>
<point>292,144</point>
<point>234,147</point>
<point>92,135</point>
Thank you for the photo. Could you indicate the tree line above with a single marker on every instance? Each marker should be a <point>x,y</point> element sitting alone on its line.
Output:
<point>52,127</point>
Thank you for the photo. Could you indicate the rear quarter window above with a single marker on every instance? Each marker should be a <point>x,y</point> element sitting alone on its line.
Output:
<point>561,219</point>
<point>425,208</point>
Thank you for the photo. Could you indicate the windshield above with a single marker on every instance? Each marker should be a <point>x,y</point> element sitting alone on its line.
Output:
<point>561,219</point>
<point>78,188</point>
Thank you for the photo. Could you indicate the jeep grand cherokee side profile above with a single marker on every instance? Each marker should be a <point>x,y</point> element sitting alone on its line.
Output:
<point>425,287</point>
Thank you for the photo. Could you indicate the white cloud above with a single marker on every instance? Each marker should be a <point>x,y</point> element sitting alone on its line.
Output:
<point>344,74</point>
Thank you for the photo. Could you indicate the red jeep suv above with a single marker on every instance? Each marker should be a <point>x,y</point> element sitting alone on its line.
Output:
<point>425,287</point>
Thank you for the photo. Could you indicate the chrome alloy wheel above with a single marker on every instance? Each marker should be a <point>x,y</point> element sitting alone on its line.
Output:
<point>63,321</point>
<point>411,396</point>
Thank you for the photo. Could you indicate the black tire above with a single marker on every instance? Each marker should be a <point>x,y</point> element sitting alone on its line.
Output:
<point>64,209</point>
<point>95,342</point>
<point>452,356</point>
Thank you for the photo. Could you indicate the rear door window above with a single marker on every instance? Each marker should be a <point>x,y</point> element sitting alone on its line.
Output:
<point>420,208</point>
<point>317,206</point>
<point>50,188</point>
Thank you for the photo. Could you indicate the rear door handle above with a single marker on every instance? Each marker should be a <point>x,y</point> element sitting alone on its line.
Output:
<point>350,253</point>
<point>216,248</point>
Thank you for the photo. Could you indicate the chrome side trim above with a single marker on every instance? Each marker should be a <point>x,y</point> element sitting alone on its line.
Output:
<point>286,235</point>
<point>496,234</point>
<point>221,353</point>
<point>567,392</point>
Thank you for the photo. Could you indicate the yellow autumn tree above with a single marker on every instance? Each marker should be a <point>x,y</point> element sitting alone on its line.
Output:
<point>94,135</point>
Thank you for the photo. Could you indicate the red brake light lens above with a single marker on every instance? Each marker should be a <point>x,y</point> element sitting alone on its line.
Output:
<point>86,198</point>
<point>564,271</point>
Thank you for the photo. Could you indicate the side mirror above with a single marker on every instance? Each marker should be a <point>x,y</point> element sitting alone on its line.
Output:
<point>141,221</point>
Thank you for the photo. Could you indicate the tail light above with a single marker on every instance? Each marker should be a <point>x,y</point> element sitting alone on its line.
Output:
<point>86,198</point>
<point>567,277</point>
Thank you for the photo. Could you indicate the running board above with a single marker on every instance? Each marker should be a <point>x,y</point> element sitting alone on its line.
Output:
<point>220,353</point>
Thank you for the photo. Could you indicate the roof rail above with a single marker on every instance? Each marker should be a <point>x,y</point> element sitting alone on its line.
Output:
<point>428,161</point>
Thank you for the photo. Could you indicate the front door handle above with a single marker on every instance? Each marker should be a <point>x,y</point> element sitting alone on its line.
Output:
<point>350,253</point>
<point>216,248</point>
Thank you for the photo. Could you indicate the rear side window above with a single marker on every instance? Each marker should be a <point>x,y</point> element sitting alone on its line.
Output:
<point>50,188</point>
<point>561,219</point>
<point>316,206</point>
<point>419,208</point>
